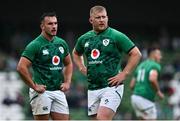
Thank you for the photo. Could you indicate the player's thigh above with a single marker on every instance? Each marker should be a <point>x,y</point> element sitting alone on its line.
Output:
<point>59,104</point>
<point>139,103</point>
<point>59,116</point>
<point>151,113</point>
<point>93,101</point>
<point>105,113</point>
<point>41,117</point>
<point>112,97</point>
<point>136,103</point>
<point>143,107</point>
<point>40,103</point>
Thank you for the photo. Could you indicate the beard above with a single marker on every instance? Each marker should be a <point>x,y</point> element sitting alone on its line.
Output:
<point>51,33</point>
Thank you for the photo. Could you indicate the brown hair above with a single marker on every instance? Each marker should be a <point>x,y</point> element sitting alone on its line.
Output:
<point>97,8</point>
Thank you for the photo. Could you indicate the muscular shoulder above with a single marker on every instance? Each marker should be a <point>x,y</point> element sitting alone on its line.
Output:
<point>115,33</point>
<point>34,43</point>
<point>86,35</point>
<point>59,40</point>
<point>157,65</point>
<point>154,65</point>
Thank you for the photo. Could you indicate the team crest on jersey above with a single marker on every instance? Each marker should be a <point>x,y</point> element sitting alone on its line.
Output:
<point>55,60</point>
<point>86,44</point>
<point>45,52</point>
<point>95,53</point>
<point>61,49</point>
<point>106,42</point>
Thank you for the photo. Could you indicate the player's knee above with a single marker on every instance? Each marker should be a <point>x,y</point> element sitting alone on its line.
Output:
<point>101,117</point>
<point>104,116</point>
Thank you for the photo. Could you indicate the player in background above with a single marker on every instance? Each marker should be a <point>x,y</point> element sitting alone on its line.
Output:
<point>145,86</point>
<point>49,58</point>
<point>103,47</point>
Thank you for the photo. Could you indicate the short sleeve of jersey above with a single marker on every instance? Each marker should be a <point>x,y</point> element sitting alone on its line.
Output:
<point>30,51</point>
<point>156,67</point>
<point>66,47</point>
<point>79,46</point>
<point>124,43</point>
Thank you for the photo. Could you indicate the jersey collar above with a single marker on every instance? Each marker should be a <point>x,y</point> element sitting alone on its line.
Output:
<point>46,39</point>
<point>102,32</point>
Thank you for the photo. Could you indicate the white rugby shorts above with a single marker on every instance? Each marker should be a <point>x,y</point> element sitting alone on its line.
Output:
<point>143,107</point>
<point>109,97</point>
<point>49,101</point>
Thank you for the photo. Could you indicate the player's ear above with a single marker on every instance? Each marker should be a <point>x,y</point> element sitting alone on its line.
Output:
<point>41,26</point>
<point>90,20</point>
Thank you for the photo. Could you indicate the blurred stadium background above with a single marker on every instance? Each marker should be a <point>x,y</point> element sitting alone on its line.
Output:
<point>147,23</point>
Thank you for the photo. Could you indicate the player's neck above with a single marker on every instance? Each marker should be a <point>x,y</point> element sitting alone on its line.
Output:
<point>152,58</point>
<point>99,31</point>
<point>46,36</point>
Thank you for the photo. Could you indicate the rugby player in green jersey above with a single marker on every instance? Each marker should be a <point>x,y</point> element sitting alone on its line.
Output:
<point>51,63</point>
<point>145,86</point>
<point>103,47</point>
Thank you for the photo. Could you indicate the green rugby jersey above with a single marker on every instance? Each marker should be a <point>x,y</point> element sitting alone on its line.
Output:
<point>143,86</point>
<point>47,61</point>
<point>103,52</point>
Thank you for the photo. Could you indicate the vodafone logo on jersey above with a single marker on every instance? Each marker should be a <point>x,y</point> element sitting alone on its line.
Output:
<point>95,53</point>
<point>55,60</point>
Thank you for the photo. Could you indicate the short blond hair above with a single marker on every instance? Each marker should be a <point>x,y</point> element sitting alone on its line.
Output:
<point>97,8</point>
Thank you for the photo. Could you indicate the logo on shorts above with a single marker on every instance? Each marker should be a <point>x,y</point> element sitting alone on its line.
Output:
<point>95,53</point>
<point>55,60</point>
<point>89,109</point>
<point>45,108</point>
<point>106,101</point>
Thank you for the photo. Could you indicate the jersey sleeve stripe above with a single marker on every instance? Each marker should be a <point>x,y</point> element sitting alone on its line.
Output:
<point>131,49</point>
<point>27,57</point>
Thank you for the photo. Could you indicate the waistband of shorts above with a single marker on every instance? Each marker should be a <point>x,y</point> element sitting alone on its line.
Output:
<point>102,87</point>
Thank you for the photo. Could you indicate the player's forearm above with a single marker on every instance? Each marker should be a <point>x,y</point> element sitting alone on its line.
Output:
<point>134,58</point>
<point>68,72</point>
<point>79,61</point>
<point>26,76</point>
<point>153,77</point>
<point>68,68</point>
<point>132,83</point>
<point>155,85</point>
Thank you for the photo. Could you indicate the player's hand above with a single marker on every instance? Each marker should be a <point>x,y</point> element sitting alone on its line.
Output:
<point>160,94</point>
<point>83,70</point>
<point>40,88</point>
<point>117,79</point>
<point>65,86</point>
